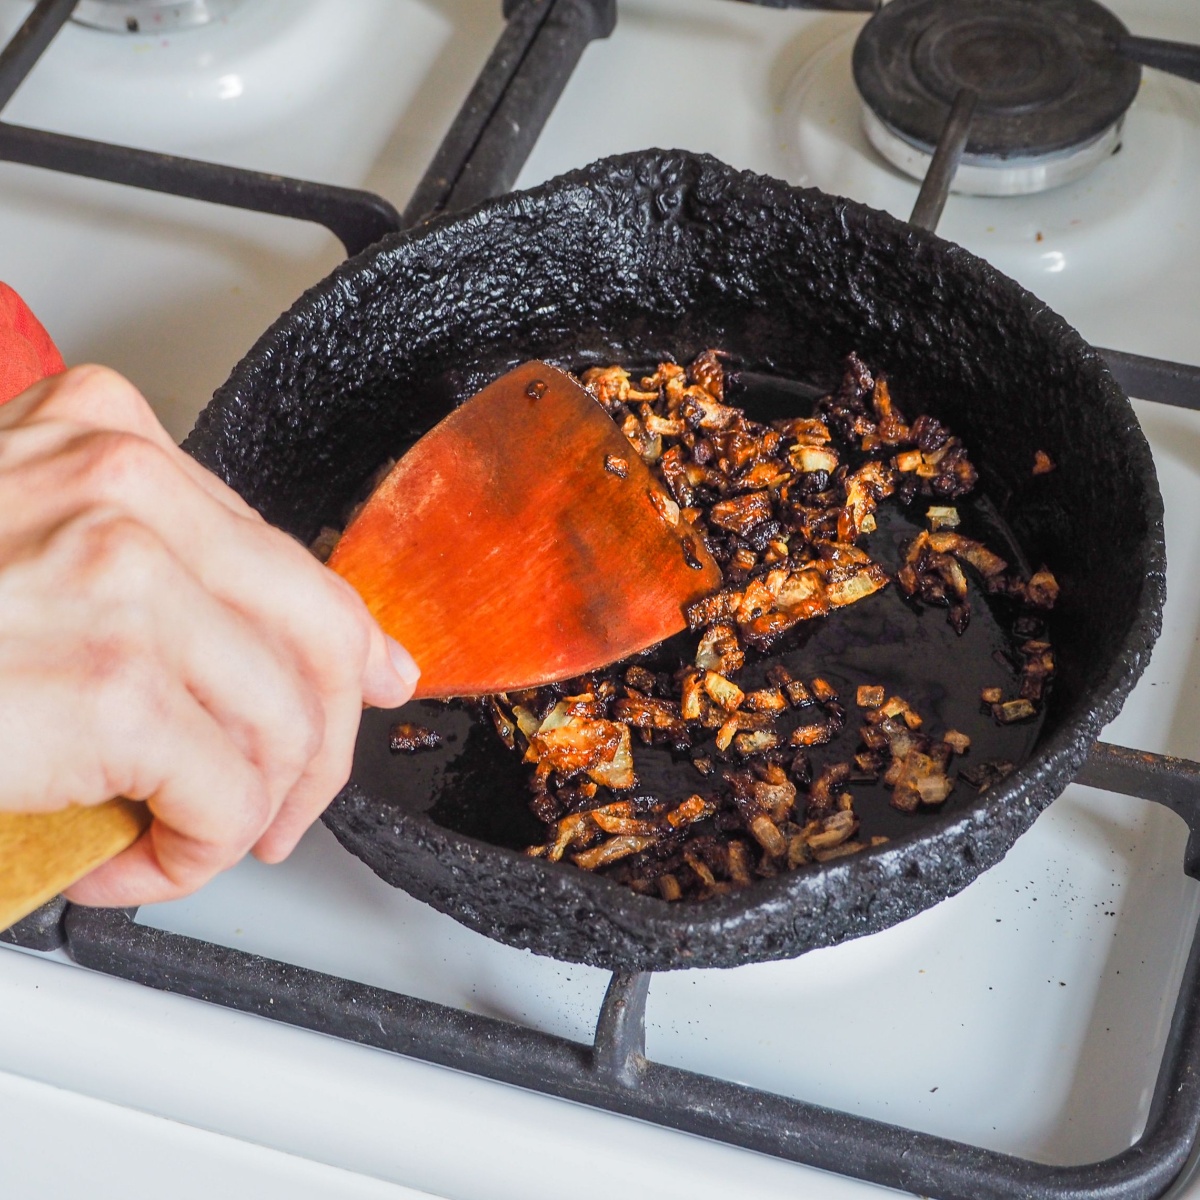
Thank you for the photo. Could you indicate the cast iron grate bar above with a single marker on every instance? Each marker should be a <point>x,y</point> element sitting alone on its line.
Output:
<point>1176,58</point>
<point>357,218</point>
<point>1155,379</point>
<point>26,45</point>
<point>502,117</point>
<point>935,187</point>
<point>1164,382</point>
<point>504,113</point>
<point>614,1074</point>
<point>480,157</point>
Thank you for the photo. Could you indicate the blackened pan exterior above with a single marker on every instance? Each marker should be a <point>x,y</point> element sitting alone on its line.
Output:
<point>666,252</point>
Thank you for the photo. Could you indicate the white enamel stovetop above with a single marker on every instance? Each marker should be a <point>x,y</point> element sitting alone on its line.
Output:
<point>1026,1014</point>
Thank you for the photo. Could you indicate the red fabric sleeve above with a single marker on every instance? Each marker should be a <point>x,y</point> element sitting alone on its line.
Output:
<point>26,352</point>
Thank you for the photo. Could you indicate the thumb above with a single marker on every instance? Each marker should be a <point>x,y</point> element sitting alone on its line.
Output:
<point>391,674</point>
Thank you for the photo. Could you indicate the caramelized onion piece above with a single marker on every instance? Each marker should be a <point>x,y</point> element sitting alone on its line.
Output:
<point>788,511</point>
<point>958,742</point>
<point>1009,711</point>
<point>668,887</point>
<point>611,851</point>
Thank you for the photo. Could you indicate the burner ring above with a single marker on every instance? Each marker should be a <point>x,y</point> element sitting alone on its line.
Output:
<point>1048,77</point>
<point>1014,66</point>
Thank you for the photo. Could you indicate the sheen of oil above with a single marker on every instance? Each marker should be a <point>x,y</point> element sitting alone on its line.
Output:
<point>474,785</point>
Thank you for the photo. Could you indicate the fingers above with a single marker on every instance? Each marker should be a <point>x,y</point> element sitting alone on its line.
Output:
<point>134,623</point>
<point>330,769</point>
<point>98,398</point>
<point>241,560</point>
<point>326,776</point>
<point>387,661</point>
<point>87,397</point>
<point>251,688</point>
<point>275,654</point>
<point>287,720</point>
<point>187,763</point>
<point>188,710</point>
<point>163,864</point>
<point>236,555</point>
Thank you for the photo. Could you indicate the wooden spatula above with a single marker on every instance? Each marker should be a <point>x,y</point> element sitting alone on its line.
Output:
<point>42,853</point>
<point>520,542</point>
<point>523,541</point>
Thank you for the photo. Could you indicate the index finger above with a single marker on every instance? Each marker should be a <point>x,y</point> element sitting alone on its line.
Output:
<point>97,397</point>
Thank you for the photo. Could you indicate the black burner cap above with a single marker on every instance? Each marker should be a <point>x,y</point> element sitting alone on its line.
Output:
<point>1046,71</point>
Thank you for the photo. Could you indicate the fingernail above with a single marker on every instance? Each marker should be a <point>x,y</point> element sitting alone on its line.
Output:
<point>403,662</point>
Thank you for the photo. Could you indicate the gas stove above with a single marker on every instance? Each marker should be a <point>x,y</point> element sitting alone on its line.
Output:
<point>1027,1016</point>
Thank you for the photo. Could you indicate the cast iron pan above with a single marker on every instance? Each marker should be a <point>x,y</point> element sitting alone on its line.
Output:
<point>661,253</point>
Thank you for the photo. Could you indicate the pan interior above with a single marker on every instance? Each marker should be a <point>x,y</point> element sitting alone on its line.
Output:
<point>473,785</point>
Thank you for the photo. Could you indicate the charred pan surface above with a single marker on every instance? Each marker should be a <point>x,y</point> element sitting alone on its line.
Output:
<point>789,511</point>
<point>664,252</point>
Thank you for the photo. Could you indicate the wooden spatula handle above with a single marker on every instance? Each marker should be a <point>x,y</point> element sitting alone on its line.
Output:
<point>42,853</point>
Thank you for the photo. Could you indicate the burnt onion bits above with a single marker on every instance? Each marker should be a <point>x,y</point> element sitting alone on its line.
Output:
<point>789,511</point>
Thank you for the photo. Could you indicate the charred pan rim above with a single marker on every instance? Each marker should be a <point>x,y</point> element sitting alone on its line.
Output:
<point>570,914</point>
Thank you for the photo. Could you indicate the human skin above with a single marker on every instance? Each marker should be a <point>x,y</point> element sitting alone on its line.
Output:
<point>160,641</point>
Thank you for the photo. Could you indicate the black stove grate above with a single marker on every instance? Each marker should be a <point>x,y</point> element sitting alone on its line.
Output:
<point>355,217</point>
<point>614,1074</point>
<point>481,157</point>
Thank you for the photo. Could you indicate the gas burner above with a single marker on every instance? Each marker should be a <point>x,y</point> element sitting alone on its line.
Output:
<point>150,16</point>
<point>1051,89</point>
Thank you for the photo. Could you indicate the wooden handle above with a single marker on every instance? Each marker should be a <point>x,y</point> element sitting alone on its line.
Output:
<point>42,853</point>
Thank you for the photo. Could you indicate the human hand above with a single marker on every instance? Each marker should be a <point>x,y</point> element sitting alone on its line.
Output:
<point>160,641</point>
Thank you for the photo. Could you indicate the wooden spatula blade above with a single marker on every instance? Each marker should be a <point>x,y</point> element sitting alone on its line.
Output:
<point>523,541</point>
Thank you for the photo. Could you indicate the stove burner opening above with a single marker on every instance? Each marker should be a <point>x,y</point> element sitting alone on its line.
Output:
<point>1052,89</point>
